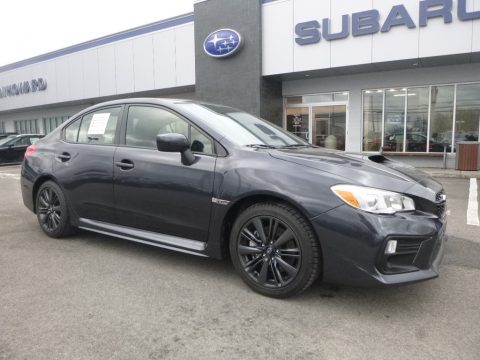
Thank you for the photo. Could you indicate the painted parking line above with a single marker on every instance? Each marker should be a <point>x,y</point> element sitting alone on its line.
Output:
<point>472,210</point>
<point>9,176</point>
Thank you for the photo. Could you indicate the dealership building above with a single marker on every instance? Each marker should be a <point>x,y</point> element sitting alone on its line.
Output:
<point>354,75</point>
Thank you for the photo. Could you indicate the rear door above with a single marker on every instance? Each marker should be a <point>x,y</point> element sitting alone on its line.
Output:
<point>154,191</point>
<point>84,163</point>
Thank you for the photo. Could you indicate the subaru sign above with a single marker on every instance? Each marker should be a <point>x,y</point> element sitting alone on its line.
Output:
<point>23,87</point>
<point>368,22</point>
<point>222,43</point>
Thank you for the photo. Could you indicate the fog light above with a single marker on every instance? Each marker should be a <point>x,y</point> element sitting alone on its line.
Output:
<point>391,247</point>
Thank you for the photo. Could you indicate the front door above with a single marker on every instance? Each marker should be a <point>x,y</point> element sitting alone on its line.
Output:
<point>298,121</point>
<point>329,126</point>
<point>154,191</point>
<point>320,124</point>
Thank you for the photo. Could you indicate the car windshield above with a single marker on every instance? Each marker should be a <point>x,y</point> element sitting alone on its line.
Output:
<point>7,139</point>
<point>242,128</point>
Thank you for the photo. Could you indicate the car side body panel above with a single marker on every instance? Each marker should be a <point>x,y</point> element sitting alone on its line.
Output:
<point>161,194</point>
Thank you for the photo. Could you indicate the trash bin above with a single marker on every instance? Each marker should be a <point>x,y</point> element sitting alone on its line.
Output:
<point>468,156</point>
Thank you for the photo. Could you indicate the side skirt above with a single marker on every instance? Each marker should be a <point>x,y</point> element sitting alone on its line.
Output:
<point>170,242</point>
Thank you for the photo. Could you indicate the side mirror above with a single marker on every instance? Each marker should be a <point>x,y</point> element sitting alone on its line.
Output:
<point>176,143</point>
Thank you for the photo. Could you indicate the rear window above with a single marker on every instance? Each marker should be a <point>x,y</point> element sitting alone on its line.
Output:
<point>98,127</point>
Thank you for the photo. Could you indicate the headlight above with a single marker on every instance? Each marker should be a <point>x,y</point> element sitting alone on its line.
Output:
<point>373,200</point>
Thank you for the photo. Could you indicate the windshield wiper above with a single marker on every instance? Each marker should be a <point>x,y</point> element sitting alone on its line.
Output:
<point>261,146</point>
<point>293,146</point>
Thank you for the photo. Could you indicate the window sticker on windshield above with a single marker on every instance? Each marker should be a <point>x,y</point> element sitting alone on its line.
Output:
<point>98,124</point>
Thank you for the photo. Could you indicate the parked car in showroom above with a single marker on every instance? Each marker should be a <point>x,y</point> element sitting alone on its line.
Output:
<point>12,147</point>
<point>416,142</point>
<point>214,181</point>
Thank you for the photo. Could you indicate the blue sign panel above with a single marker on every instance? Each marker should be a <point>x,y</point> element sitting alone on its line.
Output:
<point>222,43</point>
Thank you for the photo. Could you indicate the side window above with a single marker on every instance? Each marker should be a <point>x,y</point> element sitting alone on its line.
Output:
<point>144,123</point>
<point>22,141</point>
<point>71,131</point>
<point>200,143</point>
<point>99,127</point>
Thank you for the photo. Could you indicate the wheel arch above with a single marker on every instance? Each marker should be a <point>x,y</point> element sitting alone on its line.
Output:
<point>36,185</point>
<point>254,198</point>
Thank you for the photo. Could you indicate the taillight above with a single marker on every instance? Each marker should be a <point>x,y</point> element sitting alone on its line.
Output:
<point>30,151</point>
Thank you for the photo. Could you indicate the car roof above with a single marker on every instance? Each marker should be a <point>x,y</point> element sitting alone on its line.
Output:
<point>158,101</point>
<point>167,102</point>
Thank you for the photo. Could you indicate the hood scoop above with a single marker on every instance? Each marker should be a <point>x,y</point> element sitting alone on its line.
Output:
<point>378,158</point>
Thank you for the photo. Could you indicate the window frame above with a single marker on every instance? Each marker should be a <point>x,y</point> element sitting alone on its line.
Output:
<point>123,130</point>
<point>80,118</point>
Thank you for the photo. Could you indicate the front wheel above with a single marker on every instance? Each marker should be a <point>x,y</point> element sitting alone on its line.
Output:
<point>52,210</point>
<point>275,250</point>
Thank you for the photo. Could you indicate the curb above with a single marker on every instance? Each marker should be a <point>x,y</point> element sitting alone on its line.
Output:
<point>460,175</point>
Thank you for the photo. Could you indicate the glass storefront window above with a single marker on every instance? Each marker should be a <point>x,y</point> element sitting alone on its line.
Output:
<point>420,119</point>
<point>417,119</point>
<point>394,119</point>
<point>50,124</point>
<point>26,126</point>
<point>467,119</point>
<point>318,98</point>
<point>340,96</point>
<point>372,119</point>
<point>441,122</point>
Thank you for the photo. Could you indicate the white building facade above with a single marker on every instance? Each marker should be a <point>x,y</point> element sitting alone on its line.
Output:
<point>353,75</point>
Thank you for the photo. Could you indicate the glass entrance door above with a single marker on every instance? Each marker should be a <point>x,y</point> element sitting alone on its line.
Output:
<point>321,125</point>
<point>298,121</point>
<point>329,126</point>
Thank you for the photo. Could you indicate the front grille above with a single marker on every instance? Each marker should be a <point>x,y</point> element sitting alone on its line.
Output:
<point>403,260</point>
<point>404,246</point>
<point>441,210</point>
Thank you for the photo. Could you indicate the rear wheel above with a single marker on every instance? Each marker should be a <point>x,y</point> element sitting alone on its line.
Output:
<point>275,250</point>
<point>52,210</point>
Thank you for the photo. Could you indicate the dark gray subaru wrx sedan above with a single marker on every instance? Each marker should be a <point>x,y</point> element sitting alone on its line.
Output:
<point>214,181</point>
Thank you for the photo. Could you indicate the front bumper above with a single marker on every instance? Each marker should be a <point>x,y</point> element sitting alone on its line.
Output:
<point>353,246</point>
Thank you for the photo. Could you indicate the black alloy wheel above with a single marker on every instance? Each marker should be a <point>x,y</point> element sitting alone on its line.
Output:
<point>269,251</point>
<point>49,210</point>
<point>275,250</point>
<point>52,210</point>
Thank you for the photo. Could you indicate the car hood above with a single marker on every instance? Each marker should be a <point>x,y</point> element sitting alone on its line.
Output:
<point>374,170</point>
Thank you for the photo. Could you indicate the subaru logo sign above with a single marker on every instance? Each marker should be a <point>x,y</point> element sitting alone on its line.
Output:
<point>222,43</point>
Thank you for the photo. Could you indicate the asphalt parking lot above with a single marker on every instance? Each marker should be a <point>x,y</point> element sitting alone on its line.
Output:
<point>97,297</point>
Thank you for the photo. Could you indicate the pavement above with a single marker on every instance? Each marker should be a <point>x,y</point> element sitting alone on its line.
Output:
<point>97,297</point>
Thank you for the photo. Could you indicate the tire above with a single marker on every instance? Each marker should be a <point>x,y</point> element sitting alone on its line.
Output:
<point>283,261</point>
<point>52,211</point>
